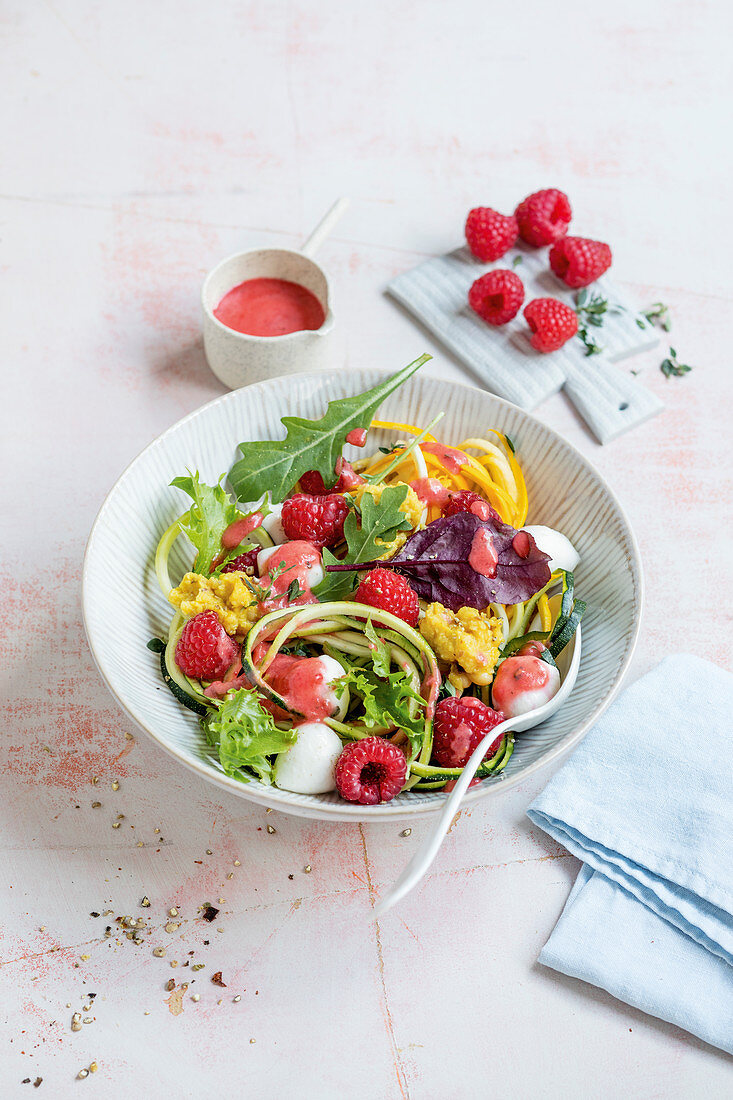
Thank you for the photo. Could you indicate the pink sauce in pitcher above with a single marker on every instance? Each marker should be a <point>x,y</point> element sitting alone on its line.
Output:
<point>269,307</point>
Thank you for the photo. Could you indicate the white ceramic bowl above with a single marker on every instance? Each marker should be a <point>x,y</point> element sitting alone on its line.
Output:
<point>123,606</point>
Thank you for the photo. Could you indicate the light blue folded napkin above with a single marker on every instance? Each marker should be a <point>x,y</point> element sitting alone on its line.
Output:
<point>647,803</point>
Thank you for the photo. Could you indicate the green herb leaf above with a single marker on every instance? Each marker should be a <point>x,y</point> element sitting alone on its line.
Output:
<point>517,261</point>
<point>379,650</point>
<point>378,520</point>
<point>657,314</point>
<point>294,591</point>
<point>672,368</point>
<point>592,309</point>
<point>510,444</point>
<point>206,521</point>
<point>388,701</point>
<point>245,735</point>
<point>276,465</point>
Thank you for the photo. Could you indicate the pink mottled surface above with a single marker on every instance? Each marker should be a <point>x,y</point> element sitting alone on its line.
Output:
<point>143,142</point>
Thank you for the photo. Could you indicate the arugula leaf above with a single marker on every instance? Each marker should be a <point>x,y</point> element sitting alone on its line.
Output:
<point>276,465</point>
<point>212,512</point>
<point>245,735</point>
<point>387,702</point>
<point>379,520</point>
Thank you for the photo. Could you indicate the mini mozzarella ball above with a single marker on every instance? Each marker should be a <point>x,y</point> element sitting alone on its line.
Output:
<point>314,573</point>
<point>563,554</point>
<point>272,523</point>
<point>332,670</point>
<point>523,684</point>
<point>308,766</point>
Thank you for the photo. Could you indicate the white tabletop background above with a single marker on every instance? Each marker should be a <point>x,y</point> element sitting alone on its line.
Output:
<point>142,142</point>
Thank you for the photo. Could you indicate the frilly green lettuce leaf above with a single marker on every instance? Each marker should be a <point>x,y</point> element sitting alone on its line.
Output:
<point>245,735</point>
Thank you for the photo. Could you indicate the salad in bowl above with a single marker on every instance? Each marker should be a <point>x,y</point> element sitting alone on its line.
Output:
<point>357,627</point>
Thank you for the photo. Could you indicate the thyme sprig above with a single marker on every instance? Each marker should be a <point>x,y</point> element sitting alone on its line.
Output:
<point>671,366</point>
<point>592,309</point>
<point>657,314</point>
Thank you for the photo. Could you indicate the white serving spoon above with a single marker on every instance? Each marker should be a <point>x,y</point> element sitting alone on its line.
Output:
<point>568,663</point>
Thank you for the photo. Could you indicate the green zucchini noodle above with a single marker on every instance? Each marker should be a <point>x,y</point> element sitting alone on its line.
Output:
<point>340,627</point>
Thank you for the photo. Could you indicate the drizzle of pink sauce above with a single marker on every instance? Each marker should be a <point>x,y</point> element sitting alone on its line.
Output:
<point>237,532</point>
<point>482,556</point>
<point>296,559</point>
<point>483,510</point>
<point>448,456</point>
<point>219,688</point>
<point>301,683</point>
<point>430,490</point>
<point>348,478</point>
<point>516,676</point>
<point>522,543</point>
<point>357,437</point>
<point>269,307</point>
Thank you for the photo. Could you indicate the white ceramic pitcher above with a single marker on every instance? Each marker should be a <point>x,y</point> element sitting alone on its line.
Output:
<point>237,358</point>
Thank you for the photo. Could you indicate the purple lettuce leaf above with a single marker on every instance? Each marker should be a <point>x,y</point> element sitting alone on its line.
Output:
<point>435,560</point>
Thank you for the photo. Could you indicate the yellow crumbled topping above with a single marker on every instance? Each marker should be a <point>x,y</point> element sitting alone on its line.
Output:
<point>227,595</point>
<point>470,639</point>
<point>412,506</point>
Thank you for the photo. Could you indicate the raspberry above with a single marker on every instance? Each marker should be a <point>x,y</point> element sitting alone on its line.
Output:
<point>205,650</point>
<point>490,234</point>
<point>543,217</point>
<point>315,519</point>
<point>459,726</point>
<point>465,500</point>
<point>311,482</point>
<point>552,322</point>
<point>243,563</point>
<point>497,296</point>
<point>578,261</point>
<point>371,770</point>
<point>389,592</point>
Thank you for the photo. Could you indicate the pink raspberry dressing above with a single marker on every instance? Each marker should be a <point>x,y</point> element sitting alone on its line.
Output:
<point>451,458</point>
<point>482,556</point>
<point>237,532</point>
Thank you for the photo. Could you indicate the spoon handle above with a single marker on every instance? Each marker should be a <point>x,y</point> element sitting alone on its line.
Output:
<point>430,846</point>
<point>324,227</point>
